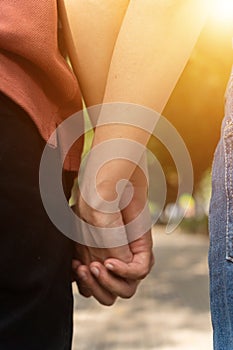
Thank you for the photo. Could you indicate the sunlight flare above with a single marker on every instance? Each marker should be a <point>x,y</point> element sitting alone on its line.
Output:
<point>223,10</point>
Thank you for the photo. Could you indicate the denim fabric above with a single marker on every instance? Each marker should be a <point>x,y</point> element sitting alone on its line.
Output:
<point>221,234</point>
<point>36,301</point>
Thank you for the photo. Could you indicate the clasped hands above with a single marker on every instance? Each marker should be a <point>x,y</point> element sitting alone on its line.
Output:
<point>108,273</point>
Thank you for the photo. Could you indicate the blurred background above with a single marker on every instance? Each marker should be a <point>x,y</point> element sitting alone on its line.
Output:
<point>171,308</point>
<point>196,109</point>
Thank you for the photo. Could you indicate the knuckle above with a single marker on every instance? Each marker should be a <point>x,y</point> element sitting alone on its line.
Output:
<point>144,272</point>
<point>86,295</point>
<point>85,292</point>
<point>129,293</point>
<point>109,302</point>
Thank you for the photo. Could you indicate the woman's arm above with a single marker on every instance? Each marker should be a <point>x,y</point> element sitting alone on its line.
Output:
<point>134,51</point>
<point>154,43</point>
<point>143,59</point>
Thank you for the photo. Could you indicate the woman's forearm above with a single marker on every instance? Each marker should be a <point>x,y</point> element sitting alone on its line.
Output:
<point>152,48</point>
<point>154,43</point>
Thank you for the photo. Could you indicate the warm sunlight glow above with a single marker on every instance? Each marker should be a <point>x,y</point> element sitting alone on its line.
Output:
<point>223,10</point>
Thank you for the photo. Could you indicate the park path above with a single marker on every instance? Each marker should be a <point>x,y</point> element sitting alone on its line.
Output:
<point>169,312</point>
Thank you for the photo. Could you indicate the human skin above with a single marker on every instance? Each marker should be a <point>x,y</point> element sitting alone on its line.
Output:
<point>132,52</point>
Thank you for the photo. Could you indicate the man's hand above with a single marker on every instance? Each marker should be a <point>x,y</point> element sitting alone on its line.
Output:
<point>106,281</point>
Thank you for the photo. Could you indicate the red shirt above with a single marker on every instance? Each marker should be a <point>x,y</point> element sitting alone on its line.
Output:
<point>32,70</point>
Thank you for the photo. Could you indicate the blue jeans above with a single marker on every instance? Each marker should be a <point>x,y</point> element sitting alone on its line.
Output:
<point>221,234</point>
<point>36,302</point>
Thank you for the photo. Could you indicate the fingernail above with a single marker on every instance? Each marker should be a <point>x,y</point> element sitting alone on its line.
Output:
<point>95,271</point>
<point>109,266</point>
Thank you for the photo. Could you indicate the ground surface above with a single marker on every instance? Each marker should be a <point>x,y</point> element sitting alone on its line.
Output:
<point>169,312</point>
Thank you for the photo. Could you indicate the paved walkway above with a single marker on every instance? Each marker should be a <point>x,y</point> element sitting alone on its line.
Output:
<point>169,312</point>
